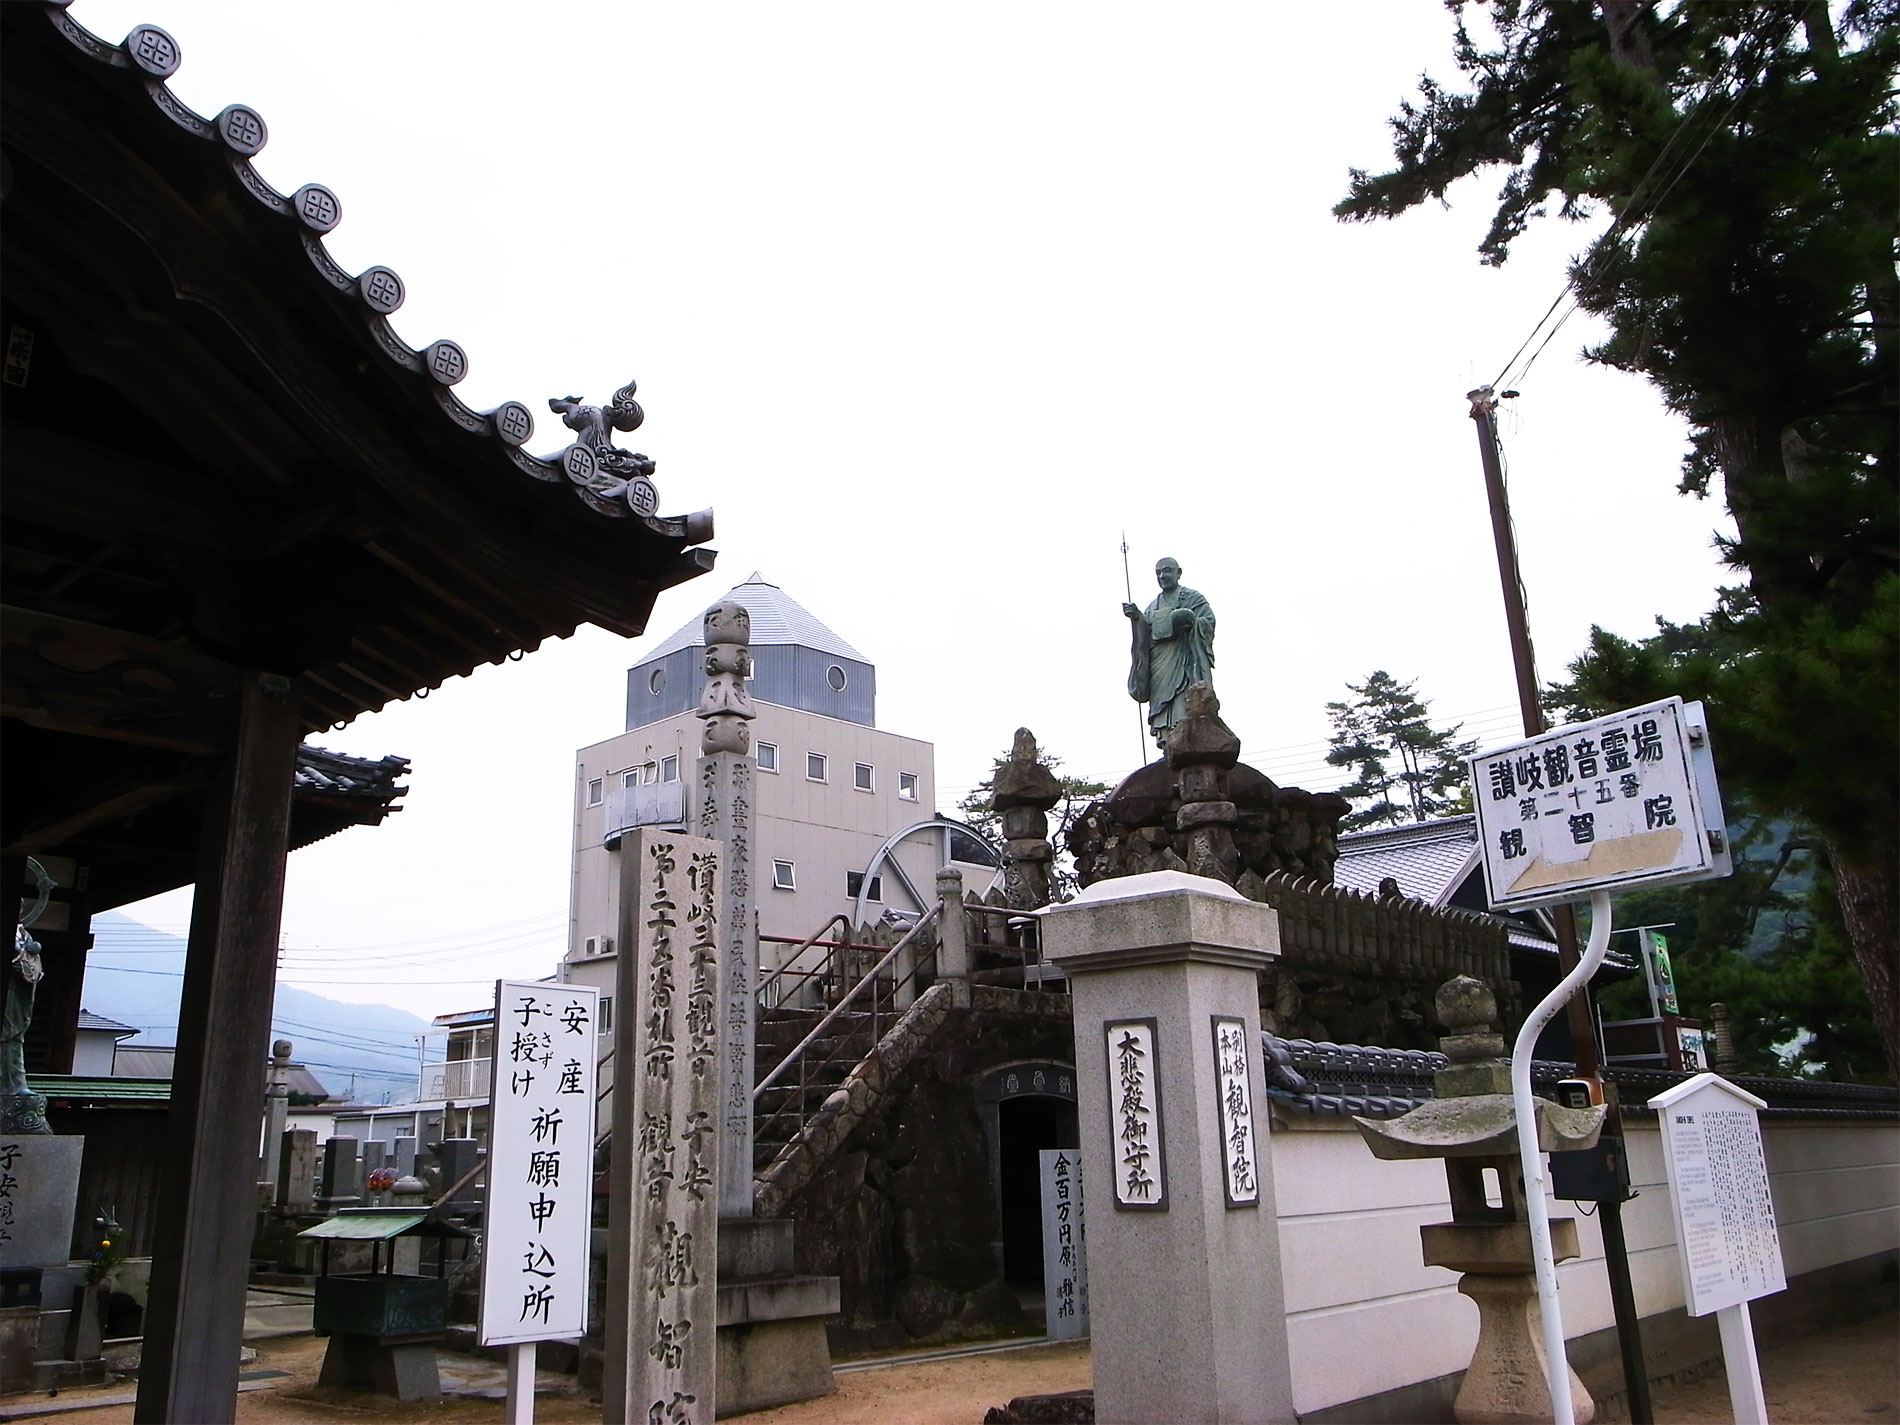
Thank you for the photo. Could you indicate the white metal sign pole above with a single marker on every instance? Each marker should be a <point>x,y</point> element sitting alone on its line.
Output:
<point>1556,1363</point>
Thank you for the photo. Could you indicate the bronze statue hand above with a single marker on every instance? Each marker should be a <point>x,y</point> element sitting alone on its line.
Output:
<point>1130,611</point>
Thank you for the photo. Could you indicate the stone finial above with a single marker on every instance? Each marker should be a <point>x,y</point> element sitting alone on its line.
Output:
<point>1022,793</point>
<point>281,1050</point>
<point>728,621</point>
<point>1468,1009</point>
<point>725,703</point>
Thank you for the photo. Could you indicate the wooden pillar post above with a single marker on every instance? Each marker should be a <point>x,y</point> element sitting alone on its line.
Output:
<point>194,1323</point>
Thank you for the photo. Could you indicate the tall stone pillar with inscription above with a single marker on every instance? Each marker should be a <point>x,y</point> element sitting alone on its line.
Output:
<point>663,1222</point>
<point>1187,1310</point>
<point>772,1348</point>
<point>725,815</point>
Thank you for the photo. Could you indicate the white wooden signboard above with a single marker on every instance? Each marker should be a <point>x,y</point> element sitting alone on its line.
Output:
<point>1134,1097</point>
<point>1718,1186</point>
<point>1622,801</point>
<point>1725,1219</point>
<point>539,1203</point>
<point>1065,1262</point>
<point>1233,1067</point>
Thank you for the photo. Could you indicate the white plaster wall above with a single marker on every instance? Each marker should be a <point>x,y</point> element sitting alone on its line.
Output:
<point>1364,1315</point>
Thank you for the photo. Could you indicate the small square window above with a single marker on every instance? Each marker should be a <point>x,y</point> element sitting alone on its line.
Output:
<point>670,767</point>
<point>784,876</point>
<point>606,1014</point>
<point>907,786</point>
<point>814,766</point>
<point>854,884</point>
<point>593,793</point>
<point>767,755</point>
<point>631,779</point>
<point>861,776</point>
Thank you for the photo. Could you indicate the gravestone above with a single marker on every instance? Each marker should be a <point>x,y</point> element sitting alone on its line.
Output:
<point>341,1182</point>
<point>297,1170</point>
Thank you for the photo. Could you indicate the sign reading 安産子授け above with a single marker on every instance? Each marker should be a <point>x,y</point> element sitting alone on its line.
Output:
<point>1619,802</point>
<point>539,1215</point>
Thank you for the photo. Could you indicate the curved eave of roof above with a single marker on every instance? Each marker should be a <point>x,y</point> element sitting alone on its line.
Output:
<point>113,184</point>
<point>778,620</point>
<point>237,135</point>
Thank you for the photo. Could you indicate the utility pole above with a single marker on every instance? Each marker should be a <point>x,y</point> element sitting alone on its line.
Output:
<point>1582,1017</point>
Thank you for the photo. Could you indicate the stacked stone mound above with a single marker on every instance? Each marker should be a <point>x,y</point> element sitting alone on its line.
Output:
<point>1352,968</point>
<point>1136,828</point>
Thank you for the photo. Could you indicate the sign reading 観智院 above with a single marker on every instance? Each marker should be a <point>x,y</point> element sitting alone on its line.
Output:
<point>1718,1188</point>
<point>1623,801</point>
<point>539,1203</point>
<point>1232,1071</point>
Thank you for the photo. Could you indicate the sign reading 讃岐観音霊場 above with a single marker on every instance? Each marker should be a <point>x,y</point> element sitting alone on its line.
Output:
<point>539,1201</point>
<point>1618,802</point>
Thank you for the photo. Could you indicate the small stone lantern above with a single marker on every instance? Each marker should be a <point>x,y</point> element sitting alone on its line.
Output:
<point>1472,1125</point>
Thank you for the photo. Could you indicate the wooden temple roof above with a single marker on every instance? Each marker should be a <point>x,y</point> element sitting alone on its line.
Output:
<point>220,456</point>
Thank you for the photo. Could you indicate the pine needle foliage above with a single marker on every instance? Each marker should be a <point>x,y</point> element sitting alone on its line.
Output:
<point>1404,769</point>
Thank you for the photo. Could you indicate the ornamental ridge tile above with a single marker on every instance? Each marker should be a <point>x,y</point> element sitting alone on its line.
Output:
<point>153,56</point>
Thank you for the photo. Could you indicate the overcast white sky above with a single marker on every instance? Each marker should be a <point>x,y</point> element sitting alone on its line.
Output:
<point>930,303</point>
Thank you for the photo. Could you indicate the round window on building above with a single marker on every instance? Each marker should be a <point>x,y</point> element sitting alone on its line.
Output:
<point>656,680</point>
<point>834,675</point>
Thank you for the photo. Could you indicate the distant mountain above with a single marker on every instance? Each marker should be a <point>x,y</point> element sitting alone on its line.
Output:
<point>134,974</point>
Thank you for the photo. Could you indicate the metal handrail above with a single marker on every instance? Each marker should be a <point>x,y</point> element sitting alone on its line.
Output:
<point>806,944</point>
<point>928,918</point>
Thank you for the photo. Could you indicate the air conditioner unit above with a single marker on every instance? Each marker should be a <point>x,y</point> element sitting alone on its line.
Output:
<point>597,945</point>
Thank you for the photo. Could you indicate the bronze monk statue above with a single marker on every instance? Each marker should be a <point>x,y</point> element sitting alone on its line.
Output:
<point>1173,649</point>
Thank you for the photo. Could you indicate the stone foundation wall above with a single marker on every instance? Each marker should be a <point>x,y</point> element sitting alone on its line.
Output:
<point>904,1214</point>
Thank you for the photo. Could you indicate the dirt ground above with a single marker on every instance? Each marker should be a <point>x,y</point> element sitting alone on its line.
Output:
<point>1852,1375</point>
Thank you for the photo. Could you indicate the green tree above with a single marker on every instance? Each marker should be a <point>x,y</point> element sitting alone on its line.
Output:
<point>1766,942</point>
<point>1747,155</point>
<point>1404,769</point>
<point>1077,793</point>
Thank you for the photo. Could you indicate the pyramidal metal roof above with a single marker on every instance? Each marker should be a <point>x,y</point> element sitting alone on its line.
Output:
<point>777,620</point>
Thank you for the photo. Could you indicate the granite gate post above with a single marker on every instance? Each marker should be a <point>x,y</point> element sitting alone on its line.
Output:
<point>1186,1306</point>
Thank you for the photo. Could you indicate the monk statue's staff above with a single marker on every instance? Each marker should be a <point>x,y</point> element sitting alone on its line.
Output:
<point>1141,718</point>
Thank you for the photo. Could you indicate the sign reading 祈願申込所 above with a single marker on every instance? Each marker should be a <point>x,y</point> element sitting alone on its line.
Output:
<point>1607,805</point>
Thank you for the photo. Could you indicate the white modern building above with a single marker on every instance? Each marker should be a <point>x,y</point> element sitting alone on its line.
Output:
<point>845,812</point>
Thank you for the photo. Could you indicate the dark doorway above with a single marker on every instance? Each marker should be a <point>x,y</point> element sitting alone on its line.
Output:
<point>1026,1126</point>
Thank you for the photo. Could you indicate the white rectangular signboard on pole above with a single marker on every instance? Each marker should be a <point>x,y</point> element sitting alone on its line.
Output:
<point>1608,805</point>
<point>539,1204</point>
<point>1725,1219</point>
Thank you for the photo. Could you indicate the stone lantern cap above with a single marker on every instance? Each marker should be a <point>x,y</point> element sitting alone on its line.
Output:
<point>1478,1126</point>
<point>1473,1114</point>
